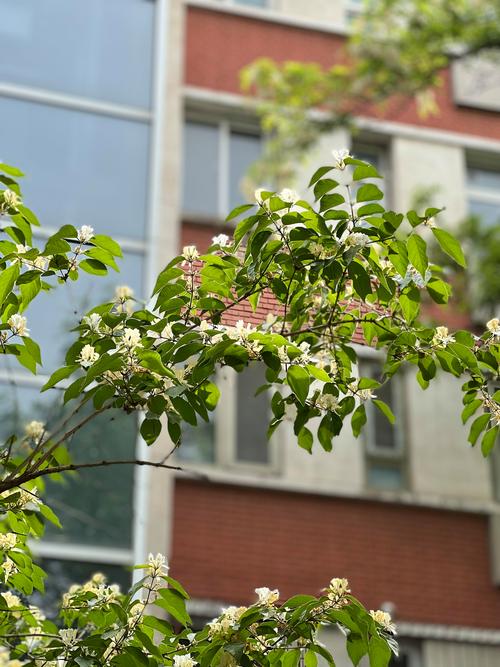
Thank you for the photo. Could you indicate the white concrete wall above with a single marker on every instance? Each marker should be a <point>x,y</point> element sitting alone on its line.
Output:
<point>417,163</point>
<point>329,12</point>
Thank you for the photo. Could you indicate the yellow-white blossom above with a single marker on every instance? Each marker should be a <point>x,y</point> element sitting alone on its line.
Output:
<point>123,292</point>
<point>11,198</point>
<point>442,337</point>
<point>289,196</point>
<point>157,565</point>
<point>305,357</point>
<point>131,338</point>
<point>217,338</point>
<point>17,324</point>
<point>34,430</point>
<point>384,619</point>
<point>9,568</point>
<point>93,321</point>
<point>337,591</point>
<point>5,660</point>
<point>327,402</point>
<point>340,156</point>
<point>493,326</point>
<point>85,233</point>
<point>87,356</point>
<point>190,253</point>
<point>240,331</point>
<point>184,660</point>
<point>267,596</point>
<point>221,240</point>
<point>69,636</point>
<point>7,541</point>
<point>357,239</point>
<point>167,332</point>
<point>11,600</point>
<point>283,354</point>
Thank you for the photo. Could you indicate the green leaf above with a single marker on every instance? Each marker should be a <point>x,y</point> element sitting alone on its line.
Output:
<point>369,192</point>
<point>33,349</point>
<point>290,658</point>
<point>379,652</point>
<point>58,375</point>
<point>94,267</point>
<point>150,430</point>
<point>319,173</point>
<point>385,410</point>
<point>174,603</point>
<point>108,244</point>
<point>8,278</point>
<point>478,426</point>
<point>305,439</point>
<point>363,171</point>
<point>488,441</point>
<point>238,211</point>
<point>471,409</point>
<point>417,253</point>
<point>449,244</point>
<point>325,433</point>
<point>358,420</point>
<point>299,380</point>
<point>49,515</point>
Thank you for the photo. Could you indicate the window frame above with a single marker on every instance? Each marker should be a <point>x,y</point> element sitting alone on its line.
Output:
<point>225,125</point>
<point>397,458</point>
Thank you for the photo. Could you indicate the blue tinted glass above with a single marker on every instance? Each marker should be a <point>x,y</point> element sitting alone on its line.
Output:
<point>244,150</point>
<point>200,193</point>
<point>94,505</point>
<point>198,442</point>
<point>81,168</point>
<point>100,49</point>
<point>488,212</point>
<point>485,179</point>
<point>380,476</point>
<point>253,3</point>
<point>52,314</point>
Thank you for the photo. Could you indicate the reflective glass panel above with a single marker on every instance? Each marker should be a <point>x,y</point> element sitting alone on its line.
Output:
<point>95,504</point>
<point>252,445</point>
<point>81,168</point>
<point>101,49</point>
<point>384,476</point>
<point>487,212</point>
<point>198,442</point>
<point>245,149</point>
<point>486,179</point>
<point>200,192</point>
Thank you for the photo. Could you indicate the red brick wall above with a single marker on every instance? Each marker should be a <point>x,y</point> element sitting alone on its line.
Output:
<point>433,564</point>
<point>219,44</point>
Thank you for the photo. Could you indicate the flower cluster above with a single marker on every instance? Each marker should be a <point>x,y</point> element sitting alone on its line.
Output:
<point>87,356</point>
<point>442,337</point>
<point>97,586</point>
<point>34,430</point>
<point>493,327</point>
<point>17,324</point>
<point>266,596</point>
<point>227,622</point>
<point>383,618</point>
<point>337,592</point>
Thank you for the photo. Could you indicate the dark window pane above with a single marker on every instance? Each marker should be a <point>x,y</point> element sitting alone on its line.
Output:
<point>81,168</point>
<point>385,432</point>
<point>252,445</point>
<point>201,170</point>
<point>487,212</point>
<point>198,443</point>
<point>485,179</point>
<point>98,48</point>
<point>245,149</point>
<point>94,505</point>
<point>384,476</point>
<point>253,3</point>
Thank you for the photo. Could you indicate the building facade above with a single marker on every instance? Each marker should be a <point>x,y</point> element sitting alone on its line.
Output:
<point>146,136</point>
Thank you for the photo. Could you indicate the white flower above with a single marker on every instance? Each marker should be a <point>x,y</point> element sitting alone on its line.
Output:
<point>217,338</point>
<point>493,326</point>
<point>384,619</point>
<point>442,337</point>
<point>430,222</point>
<point>167,332</point>
<point>234,613</point>
<point>11,199</point>
<point>327,402</point>
<point>305,357</point>
<point>365,394</point>
<point>131,338</point>
<point>267,596</point>
<point>337,591</point>
<point>357,239</point>
<point>11,599</point>
<point>283,355</point>
<point>69,636</point>
<point>221,239</point>
<point>184,660</point>
<point>34,430</point>
<point>123,292</point>
<point>190,253</point>
<point>7,541</point>
<point>17,324</point>
<point>85,233</point>
<point>9,568</point>
<point>157,565</point>
<point>240,331</point>
<point>340,156</point>
<point>87,356</point>
<point>40,263</point>
<point>289,196</point>
<point>93,321</point>
<point>21,249</point>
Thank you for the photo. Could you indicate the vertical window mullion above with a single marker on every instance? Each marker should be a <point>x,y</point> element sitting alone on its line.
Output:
<point>224,168</point>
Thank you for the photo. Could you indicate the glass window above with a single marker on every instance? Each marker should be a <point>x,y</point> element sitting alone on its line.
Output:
<point>201,170</point>
<point>81,168</point>
<point>252,445</point>
<point>94,505</point>
<point>100,49</point>
<point>484,179</point>
<point>384,476</point>
<point>253,3</point>
<point>244,149</point>
<point>484,194</point>
<point>487,212</point>
<point>198,443</point>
